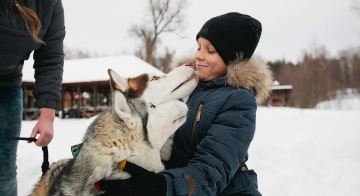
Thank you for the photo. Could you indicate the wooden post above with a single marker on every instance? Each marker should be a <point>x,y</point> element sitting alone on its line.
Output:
<point>62,102</point>
<point>78,101</point>
<point>95,98</point>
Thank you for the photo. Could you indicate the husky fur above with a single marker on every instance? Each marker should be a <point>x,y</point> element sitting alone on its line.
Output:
<point>144,113</point>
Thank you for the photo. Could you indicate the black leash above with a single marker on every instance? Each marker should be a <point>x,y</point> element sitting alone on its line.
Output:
<point>45,164</point>
<point>20,138</point>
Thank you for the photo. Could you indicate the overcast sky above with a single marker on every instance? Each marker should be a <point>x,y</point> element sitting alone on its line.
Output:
<point>289,26</point>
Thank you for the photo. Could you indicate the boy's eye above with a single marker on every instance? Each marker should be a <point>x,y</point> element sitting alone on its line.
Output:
<point>211,51</point>
<point>154,78</point>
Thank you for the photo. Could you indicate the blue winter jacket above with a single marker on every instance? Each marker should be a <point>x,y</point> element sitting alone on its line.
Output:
<point>210,150</point>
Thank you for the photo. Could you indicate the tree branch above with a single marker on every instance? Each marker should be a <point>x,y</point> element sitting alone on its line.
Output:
<point>165,16</point>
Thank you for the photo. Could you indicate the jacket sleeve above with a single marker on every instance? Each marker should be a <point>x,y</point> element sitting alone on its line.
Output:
<point>49,61</point>
<point>220,153</point>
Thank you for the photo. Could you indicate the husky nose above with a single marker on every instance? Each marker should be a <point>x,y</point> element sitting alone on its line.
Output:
<point>181,99</point>
<point>188,64</point>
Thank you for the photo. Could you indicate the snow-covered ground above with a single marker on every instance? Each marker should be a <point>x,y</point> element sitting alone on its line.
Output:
<point>294,152</point>
<point>348,99</point>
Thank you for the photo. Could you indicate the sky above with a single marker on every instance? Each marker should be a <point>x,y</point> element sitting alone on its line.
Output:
<point>295,152</point>
<point>289,26</point>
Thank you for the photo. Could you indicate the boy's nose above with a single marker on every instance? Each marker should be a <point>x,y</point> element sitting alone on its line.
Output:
<point>199,55</point>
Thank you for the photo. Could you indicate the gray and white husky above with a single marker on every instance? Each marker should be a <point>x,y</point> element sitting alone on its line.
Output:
<point>144,113</point>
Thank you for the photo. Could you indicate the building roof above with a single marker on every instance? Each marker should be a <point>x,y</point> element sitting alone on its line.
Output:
<point>281,87</point>
<point>95,69</point>
<point>277,86</point>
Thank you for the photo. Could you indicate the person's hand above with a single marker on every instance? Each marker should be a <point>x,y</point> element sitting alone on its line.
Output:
<point>44,127</point>
<point>142,182</point>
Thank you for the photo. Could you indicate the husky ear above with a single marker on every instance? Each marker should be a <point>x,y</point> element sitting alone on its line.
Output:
<point>122,109</point>
<point>117,82</point>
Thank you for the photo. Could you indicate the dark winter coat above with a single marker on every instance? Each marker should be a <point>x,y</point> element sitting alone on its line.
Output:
<point>16,44</point>
<point>210,149</point>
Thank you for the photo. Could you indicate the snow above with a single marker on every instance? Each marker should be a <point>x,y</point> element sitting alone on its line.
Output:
<point>347,103</point>
<point>281,87</point>
<point>348,99</point>
<point>95,69</point>
<point>294,152</point>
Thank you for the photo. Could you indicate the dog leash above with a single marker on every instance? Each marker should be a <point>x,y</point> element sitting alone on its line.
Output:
<point>45,164</point>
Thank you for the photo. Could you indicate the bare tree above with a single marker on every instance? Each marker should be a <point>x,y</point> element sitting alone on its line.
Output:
<point>164,60</point>
<point>76,54</point>
<point>166,16</point>
<point>356,6</point>
<point>319,77</point>
<point>350,59</point>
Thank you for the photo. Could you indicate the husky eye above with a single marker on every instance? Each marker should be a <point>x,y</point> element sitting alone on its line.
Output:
<point>152,105</point>
<point>154,78</point>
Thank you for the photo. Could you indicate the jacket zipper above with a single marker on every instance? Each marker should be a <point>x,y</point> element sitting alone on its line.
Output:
<point>192,145</point>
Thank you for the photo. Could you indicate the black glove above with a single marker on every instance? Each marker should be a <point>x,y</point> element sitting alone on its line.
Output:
<point>142,182</point>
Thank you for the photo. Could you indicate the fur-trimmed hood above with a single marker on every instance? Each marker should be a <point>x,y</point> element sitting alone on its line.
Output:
<point>251,74</point>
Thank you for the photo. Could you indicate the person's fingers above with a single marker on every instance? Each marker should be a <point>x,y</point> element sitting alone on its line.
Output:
<point>44,139</point>
<point>34,132</point>
<point>131,168</point>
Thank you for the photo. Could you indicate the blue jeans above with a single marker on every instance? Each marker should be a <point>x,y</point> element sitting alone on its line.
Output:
<point>10,126</point>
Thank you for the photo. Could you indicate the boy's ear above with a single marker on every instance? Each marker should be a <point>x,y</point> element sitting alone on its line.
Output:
<point>122,109</point>
<point>117,82</point>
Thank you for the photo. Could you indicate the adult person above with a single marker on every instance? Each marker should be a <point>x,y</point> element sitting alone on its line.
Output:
<point>210,150</point>
<point>25,27</point>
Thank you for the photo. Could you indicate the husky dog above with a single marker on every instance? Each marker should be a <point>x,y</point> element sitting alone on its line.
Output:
<point>144,113</point>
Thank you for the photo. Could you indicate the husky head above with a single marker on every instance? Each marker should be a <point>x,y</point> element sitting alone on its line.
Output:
<point>149,107</point>
<point>179,83</point>
<point>157,122</point>
<point>144,129</point>
<point>164,119</point>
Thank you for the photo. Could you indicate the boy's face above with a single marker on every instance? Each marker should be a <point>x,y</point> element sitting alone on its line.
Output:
<point>209,64</point>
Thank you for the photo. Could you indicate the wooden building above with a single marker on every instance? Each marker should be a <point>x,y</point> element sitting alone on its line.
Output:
<point>86,84</point>
<point>279,95</point>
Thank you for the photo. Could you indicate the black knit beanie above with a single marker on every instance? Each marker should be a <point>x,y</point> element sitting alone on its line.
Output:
<point>232,34</point>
